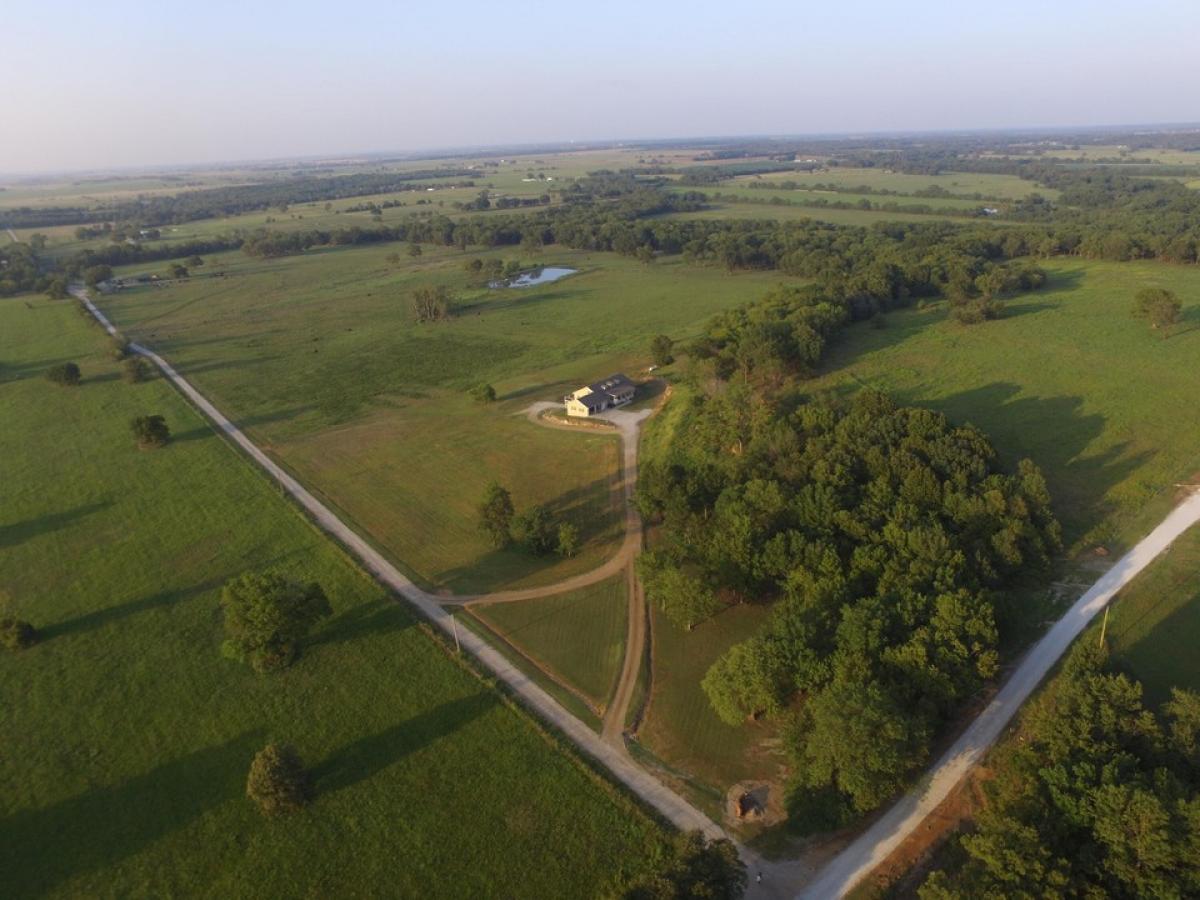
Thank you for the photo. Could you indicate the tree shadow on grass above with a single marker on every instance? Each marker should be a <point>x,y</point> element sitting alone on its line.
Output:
<point>20,371</point>
<point>19,532</point>
<point>42,848</point>
<point>245,422</point>
<point>377,617</point>
<point>364,758</point>
<point>102,617</point>
<point>1056,434</point>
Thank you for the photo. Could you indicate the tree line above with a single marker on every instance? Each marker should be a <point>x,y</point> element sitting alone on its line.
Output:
<point>1099,797</point>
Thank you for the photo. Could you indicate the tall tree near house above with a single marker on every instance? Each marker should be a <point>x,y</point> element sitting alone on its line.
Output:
<point>496,515</point>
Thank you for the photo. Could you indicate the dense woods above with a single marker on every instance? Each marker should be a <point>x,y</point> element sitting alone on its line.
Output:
<point>880,534</point>
<point>1099,798</point>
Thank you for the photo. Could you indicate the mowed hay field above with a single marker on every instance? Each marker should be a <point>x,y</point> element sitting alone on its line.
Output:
<point>1068,377</point>
<point>127,736</point>
<point>578,636</point>
<point>318,358</point>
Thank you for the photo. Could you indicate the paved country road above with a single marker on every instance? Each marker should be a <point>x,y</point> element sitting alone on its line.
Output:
<point>668,804</point>
<point>875,844</point>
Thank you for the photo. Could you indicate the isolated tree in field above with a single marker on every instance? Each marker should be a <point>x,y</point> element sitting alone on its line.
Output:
<point>431,304</point>
<point>568,539</point>
<point>56,289</point>
<point>16,634</point>
<point>695,868</point>
<point>277,781</point>
<point>1161,307</point>
<point>136,369</point>
<point>484,393</point>
<point>660,350</point>
<point>496,515</point>
<point>65,374</point>
<point>267,615</point>
<point>195,261</point>
<point>535,530</point>
<point>177,270</point>
<point>414,249</point>
<point>93,275</point>
<point>150,431</point>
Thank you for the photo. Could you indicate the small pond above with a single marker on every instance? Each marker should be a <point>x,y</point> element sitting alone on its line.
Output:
<point>537,276</point>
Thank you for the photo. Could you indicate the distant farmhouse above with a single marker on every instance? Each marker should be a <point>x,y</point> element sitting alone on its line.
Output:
<point>613,391</point>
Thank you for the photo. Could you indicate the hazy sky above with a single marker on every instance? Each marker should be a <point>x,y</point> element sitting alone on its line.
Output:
<point>117,83</point>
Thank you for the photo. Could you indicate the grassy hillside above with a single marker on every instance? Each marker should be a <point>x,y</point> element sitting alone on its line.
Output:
<point>1068,377</point>
<point>127,736</point>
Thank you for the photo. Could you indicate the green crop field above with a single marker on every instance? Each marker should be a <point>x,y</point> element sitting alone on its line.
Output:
<point>578,636</point>
<point>318,358</point>
<point>127,736</point>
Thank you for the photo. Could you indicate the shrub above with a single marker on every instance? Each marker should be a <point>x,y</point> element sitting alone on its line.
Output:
<point>660,350</point>
<point>66,374</point>
<point>484,393</point>
<point>150,431</point>
<point>136,369</point>
<point>16,634</point>
<point>267,616</point>
<point>120,348</point>
<point>277,781</point>
<point>535,531</point>
<point>568,539</point>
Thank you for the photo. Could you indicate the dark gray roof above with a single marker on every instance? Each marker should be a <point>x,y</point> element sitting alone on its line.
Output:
<point>612,384</point>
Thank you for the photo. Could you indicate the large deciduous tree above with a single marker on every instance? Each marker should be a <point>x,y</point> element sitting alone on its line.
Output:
<point>267,615</point>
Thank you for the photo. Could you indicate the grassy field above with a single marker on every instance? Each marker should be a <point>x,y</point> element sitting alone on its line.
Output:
<point>719,209</point>
<point>318,358</point>
<point>578,637</point>
<point>1154,625</point>
<point>680,727</point>
<point>1068,377</point>
<point>743,188</point>
<point>1003,187</point>
<point>127,736</point>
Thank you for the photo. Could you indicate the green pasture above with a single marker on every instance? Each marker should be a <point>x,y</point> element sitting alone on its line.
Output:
<point>1154,625</point>
<point>1068,377</point>
<point>1002,187</point>
<point>127,736</point>
<point>720,209</point>
<point>318,357</point>
<point>579,636</point>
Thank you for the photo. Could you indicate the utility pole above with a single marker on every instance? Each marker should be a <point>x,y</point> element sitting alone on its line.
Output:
<point>1103,627</point>
<point>454,626</point>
